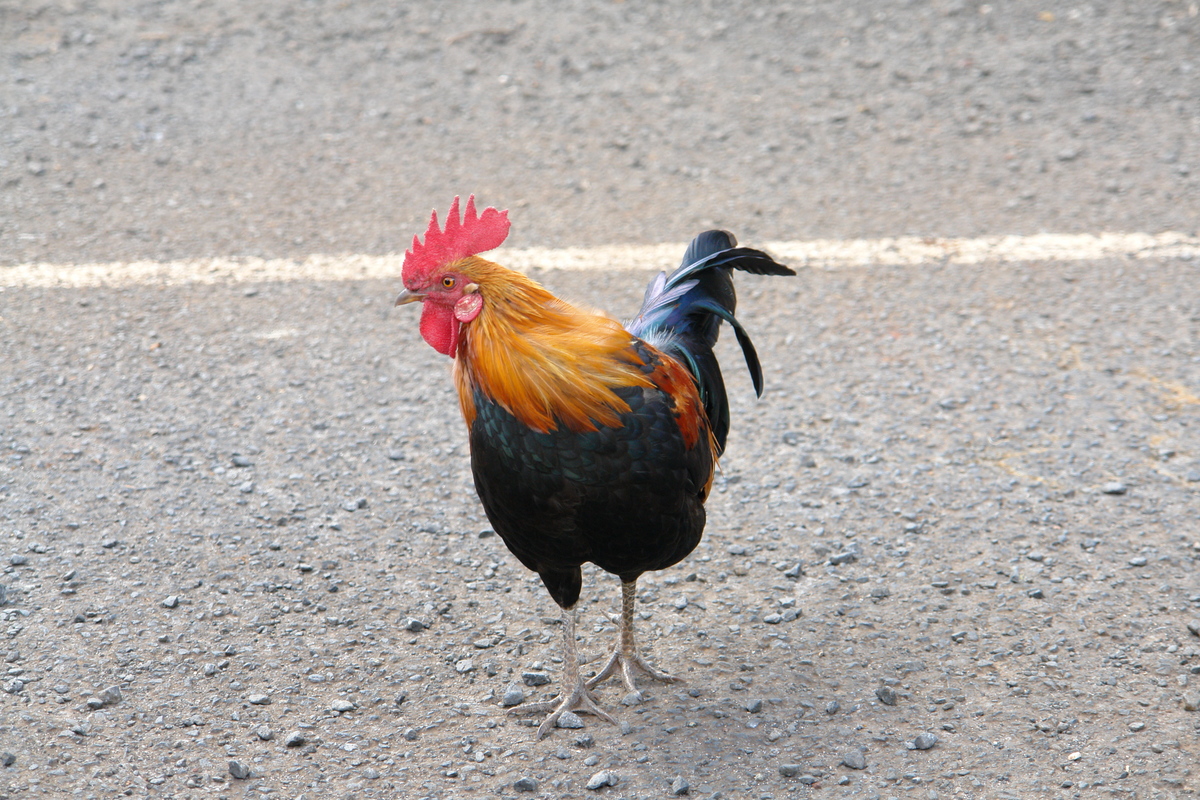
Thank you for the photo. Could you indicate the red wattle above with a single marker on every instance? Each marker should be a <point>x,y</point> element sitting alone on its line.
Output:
<point>440,328</point>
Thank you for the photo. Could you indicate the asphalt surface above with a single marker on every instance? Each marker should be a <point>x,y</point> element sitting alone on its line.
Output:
<point>243,557</point>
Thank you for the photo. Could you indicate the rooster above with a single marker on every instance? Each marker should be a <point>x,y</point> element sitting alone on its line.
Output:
<point>590,441</point>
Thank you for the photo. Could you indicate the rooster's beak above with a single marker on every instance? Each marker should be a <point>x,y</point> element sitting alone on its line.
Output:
<point>406,297</point>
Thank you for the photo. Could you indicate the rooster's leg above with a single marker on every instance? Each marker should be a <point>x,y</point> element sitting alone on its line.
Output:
<point>574,696</point>
<point>626,657</point>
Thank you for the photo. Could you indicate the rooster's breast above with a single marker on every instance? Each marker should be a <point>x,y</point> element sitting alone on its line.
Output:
<point>628,498</point>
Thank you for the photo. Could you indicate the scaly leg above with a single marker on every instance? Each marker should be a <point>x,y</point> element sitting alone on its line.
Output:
<point>626,657</point>
<point>574,696</point>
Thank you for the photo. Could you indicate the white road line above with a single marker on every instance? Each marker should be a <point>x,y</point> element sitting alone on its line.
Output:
<point>827,254</point>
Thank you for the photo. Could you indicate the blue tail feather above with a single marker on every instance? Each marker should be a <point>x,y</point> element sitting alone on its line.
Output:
<point>682,314</point>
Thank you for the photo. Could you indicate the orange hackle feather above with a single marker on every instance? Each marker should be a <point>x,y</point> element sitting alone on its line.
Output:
<point>541,359</point>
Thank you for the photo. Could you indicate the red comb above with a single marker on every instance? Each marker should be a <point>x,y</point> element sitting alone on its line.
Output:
<point>476,233</point>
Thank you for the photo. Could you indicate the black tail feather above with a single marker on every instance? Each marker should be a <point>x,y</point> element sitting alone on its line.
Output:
<point>682,314</point>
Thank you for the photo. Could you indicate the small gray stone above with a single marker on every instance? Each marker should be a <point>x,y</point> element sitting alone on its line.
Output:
<point>585,741</point>
<point>264,733</point>
<point>294,739</point>
<point>1036,594</point>
<point>1138,561</point>
<point>171,601</point>
<point>833,707</point>
<point>633,698</point>
<point>239,770</point>
<point>789,770</point>
<point>843,558</point>
<point>525,784</point>
<point>7,759</point>
<point>413,624</point>
<point>514,695</point>
<point>18,560</point>
<point>1193,476</point>
<point>15,686</point>
<point>1114,487</point>
<point>924,741</point>
<point>535,678</point>
<point>754,706</point>
<point>247,487</point>
<point>880,592</point>
<point>602,778</point>
<point>464,666</point>
<point>1191,701</point>
<point>411,734</point>
<point>680,786</point>
<point>1194,626</point>
<point>1137,726</point>
<point>855,759</point>
<point>886,695</point>
<point>209,669</point>
<point>240,460</point>
<point>570,719</point>
<point>109,697</point>
<point>258,700</point>
<point>342,706</point>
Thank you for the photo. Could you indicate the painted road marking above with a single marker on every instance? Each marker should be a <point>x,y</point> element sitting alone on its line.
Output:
<point>826,254</point>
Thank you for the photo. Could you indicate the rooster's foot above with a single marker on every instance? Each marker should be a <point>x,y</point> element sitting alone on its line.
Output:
<point>628,663</point>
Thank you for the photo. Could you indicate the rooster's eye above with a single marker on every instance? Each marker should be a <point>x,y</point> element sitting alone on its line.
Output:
<point>448,282</point>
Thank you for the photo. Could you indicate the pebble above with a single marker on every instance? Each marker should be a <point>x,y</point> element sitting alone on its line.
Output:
<point>7,759</point>
<point>525,784</point>
<point>1114,487</point>
<point>924,741</point>
<point>411,734</point>
<point>1194,626</point>
<point>855,759</point>
<point>109,697</point>
<point>833,707</point>
<point>239,770</point>
<point>513,695</point>
<point>754,706</point>
<point>680,786</point>
<point>247,487</point>
<point>294,739</point>
<point>342,706</point>
<point>886,695</point>
<point>602,778</point>
<point>209,669</point>
<point>1137,561</point>
<point>1191,701</point>
<point>535,678</point>
<point>171,602</point>
<point>264,733</point>
<point>258,700</point>
<point>1137,726</point>
<point>789,770</point>
<point>241,461</point>
<point>570,719</point>
<point>464,666</point>
<point>18,560</point>
<point>413,624</point>
<point>843,558</point>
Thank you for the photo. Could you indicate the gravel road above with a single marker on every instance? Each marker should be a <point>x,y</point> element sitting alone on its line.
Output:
<point>951,553</point>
